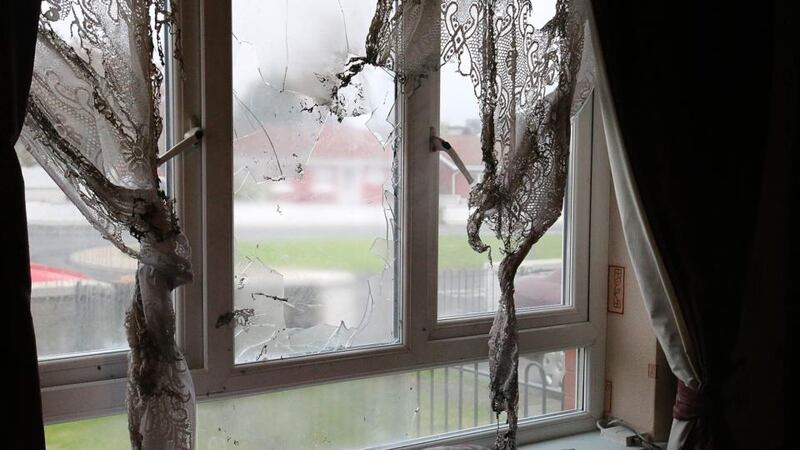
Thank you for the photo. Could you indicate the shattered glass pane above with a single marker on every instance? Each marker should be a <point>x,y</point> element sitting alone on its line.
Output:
<point>385,411</point>
<point>467,281</point>
<point>315,183</point>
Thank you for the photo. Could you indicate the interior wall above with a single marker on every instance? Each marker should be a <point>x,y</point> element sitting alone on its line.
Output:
<point>641,394</point>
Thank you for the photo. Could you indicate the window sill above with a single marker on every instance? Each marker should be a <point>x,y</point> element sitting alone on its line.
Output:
<point>583,441</point>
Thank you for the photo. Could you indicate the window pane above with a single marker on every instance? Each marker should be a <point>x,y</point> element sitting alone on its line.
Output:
<point>314,193</point>
<point>80,283</point>
<point>375,411</point>
<point>467,280</point>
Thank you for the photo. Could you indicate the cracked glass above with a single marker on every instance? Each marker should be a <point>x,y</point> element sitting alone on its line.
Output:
<point>315,183</point>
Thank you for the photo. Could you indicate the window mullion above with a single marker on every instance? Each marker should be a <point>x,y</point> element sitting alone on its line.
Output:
<point>187,182</point>
<point>420,224</point>
<point>217,206</point>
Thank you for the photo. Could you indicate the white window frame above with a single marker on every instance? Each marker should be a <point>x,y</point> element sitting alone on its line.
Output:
<point>94,385</point>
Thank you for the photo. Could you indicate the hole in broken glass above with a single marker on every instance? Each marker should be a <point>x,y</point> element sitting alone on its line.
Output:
<point>238,317</point>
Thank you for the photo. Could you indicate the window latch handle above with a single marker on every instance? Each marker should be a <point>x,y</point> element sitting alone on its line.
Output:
<point>190,139</point>
<point>440,145</point>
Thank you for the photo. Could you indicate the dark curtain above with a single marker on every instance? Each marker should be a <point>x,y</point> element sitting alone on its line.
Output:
<point>22,402</point>
<point>706,95</point>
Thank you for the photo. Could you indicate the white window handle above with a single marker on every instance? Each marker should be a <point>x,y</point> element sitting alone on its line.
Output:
<point>190,139</point>
<point>440,145</point>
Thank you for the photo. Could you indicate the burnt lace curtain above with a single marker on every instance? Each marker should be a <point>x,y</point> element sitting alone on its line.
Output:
<point>528,81</point>
<point>93,124</point>
<point>23,407</point>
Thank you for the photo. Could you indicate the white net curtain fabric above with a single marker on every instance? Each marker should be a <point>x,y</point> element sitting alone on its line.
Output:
<point>93,124</point>
<point>529,81</point>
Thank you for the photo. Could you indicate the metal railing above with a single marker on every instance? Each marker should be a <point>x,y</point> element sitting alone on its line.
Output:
<point>465,291</point>
<point>470,394</point>
<point>81,317</point>
<point>473,290</point>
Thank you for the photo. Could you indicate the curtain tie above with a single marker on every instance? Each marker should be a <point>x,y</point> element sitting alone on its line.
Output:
<point>689,403</point>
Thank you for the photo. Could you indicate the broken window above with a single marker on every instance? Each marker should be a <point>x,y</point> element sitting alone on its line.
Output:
<point>315,183</point>
<point>315,189</point>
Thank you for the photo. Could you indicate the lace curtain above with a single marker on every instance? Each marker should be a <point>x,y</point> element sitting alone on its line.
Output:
<point>93,124</point>
<point>529,81</point>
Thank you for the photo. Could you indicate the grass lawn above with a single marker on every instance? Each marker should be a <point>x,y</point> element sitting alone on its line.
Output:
<point>354,255</point>
<point>101,433</point>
